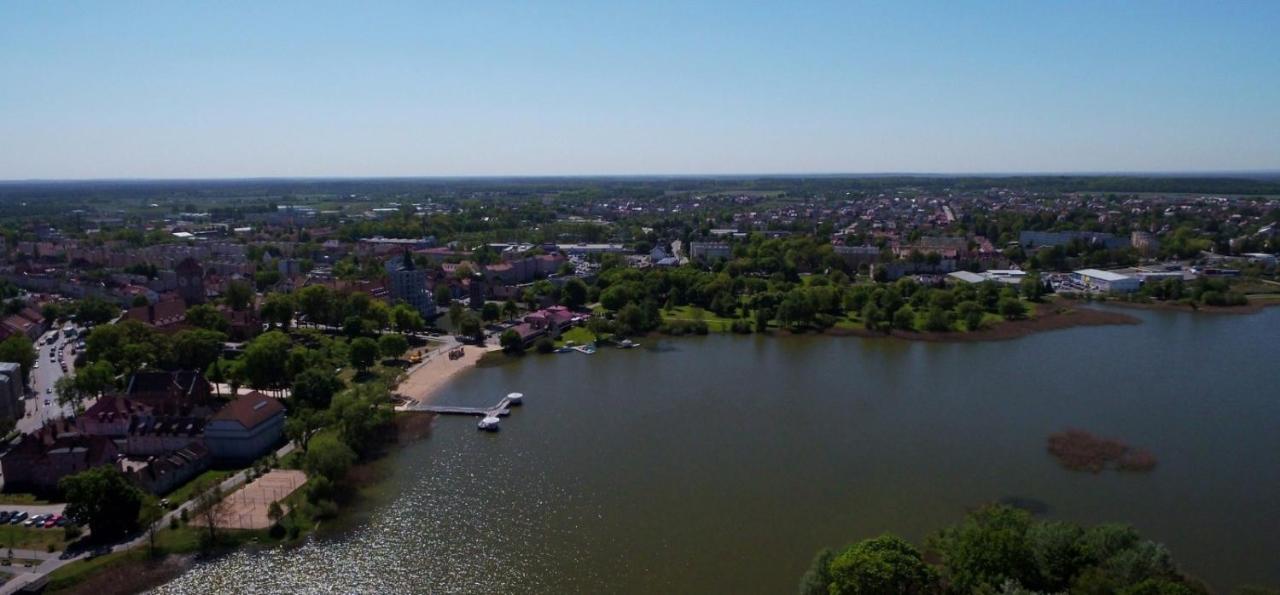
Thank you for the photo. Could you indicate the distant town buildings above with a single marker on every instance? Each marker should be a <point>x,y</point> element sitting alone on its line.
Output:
<point>11,391</point>
<point>1107,281</point>
<point>709,251</point>
<point>409,285</point>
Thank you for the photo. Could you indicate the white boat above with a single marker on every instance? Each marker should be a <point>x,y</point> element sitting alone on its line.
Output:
<point>488,424</point>
<point>627,344</point>
<point>515,398</point>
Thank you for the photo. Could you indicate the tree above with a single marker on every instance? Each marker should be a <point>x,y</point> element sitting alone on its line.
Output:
<point>490,312</point>
<point>574,293</point>
<point>987,548</point>
<point>67,391</point>
<point>510,309</point>
<point>18,349</point>
<point>471,327</point>
<point>972,314</point>
<point>317,303</point>
<point>278,309</point>
<point>196,349</point>
<point>95,310</point>
<point>216,375</point>
<point>149,515</point>
<point>904,318</point>
<point>456,311</point>
<point>263,362</point>
<point>817,579</point>
<point>884,564</point>
<point>211,508</point>
<point>598,326</point>
<point>139,301</point>
<point>393,345</point>
<point>407,320</point>
<point>1011,308</point>
<point>208,317</point>
<point>266,279</point>
<point>762,320</point>
<point>238,295</point>
<point>511,341</point>
<point>936,319</point>
<point>314,387</point>
<point>361,416</point>
<point>103,499</point>
<point>96,378</point>
<point>442,295</point>
<point>329,457</point>
<point>275,512</point>
<point>302,424</point>
<point>363,352</point>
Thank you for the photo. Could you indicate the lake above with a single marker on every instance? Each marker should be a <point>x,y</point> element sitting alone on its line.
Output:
<point>723,463</point>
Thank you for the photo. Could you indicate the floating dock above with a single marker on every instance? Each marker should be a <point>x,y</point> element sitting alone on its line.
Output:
<point>489,415</point>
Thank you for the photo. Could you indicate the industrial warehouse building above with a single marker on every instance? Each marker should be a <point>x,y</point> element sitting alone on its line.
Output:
<point>1107,281</point>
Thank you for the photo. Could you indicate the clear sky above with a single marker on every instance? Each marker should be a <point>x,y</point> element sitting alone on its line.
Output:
<point>266,88</point>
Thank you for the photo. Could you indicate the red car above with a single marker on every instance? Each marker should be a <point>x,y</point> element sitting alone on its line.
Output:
<point>52,520</point>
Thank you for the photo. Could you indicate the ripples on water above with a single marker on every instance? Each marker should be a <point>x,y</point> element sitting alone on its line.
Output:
<point>402,549</point>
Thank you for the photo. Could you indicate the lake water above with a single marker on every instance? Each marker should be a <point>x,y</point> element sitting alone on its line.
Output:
<point>722,463</point>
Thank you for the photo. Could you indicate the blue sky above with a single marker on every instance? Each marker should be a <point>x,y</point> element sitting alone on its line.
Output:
<point>228,89</point>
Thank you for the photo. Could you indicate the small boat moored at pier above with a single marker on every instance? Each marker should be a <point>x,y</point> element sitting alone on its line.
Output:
<point>488,424</point>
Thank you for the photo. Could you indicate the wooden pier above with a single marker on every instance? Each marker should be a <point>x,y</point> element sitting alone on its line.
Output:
<point>502,409</point>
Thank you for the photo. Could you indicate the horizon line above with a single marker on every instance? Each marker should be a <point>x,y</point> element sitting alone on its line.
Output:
<point>1223,173</point>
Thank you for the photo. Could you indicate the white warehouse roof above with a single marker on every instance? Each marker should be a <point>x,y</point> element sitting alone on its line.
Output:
<point>1102,275</point>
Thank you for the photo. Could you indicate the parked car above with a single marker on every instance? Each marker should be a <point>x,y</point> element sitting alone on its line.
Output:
<point>31,522</point>
<point>51,521</point>
<point>63,521</point>
<point>4,516</point>
<point>17,518</point>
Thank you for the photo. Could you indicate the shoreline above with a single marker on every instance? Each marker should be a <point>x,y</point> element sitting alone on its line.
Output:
<point>425,381</point>
<point>1254,306</point>
<point>1006,330</point>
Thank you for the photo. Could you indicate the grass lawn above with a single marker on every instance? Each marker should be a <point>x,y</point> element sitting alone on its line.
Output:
<point>28,538</point>
<point>77,571</point>
<point>182,540</point>
<point>186,491</point>
<point>21,498</point>
<point>714,323</point>
<point>579,335</point>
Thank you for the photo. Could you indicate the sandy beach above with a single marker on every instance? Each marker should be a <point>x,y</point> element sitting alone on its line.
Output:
<point>424,381</point>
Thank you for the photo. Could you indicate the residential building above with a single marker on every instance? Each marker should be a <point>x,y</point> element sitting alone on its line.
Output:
<point>42,458</point>
<point>191,281</point>
<point>11,389</point>
<point>409,285</point>
<point>184,392</point>
<point>245,429</point>
<point>709,251</point>
<point>162,474</point>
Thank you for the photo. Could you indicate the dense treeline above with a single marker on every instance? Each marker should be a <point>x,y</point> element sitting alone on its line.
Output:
<point>1000,549</point>
<point>798,284</point>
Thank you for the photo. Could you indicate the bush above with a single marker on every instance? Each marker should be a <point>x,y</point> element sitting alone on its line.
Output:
<point>544,345</point>
<point>685,327</point>
<point>741,327</point>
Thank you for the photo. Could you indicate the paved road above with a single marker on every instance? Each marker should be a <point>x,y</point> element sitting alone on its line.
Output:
<point>43,404</point>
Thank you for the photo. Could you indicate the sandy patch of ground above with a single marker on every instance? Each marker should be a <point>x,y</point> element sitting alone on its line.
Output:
<point>246,508</point>
<point>425,380</point>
